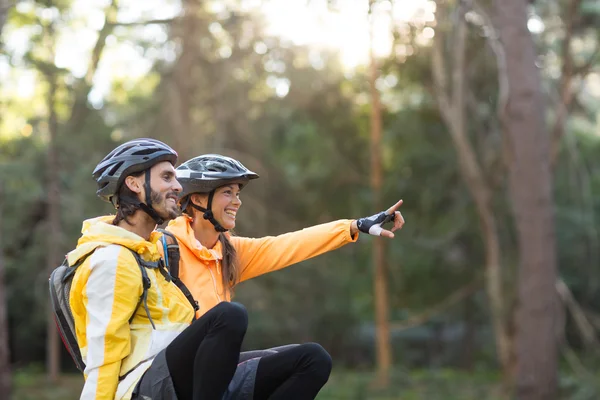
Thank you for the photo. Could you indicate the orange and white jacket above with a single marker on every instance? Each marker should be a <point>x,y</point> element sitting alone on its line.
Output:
<point>200,268</point>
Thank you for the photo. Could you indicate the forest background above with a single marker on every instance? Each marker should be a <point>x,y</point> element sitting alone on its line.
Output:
<point>481,114</point>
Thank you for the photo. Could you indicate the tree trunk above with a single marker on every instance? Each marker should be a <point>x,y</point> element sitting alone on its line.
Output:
<point>530,184</point>
<point>5,375</point>
<point>451,101</point>
<point>566,92</point>
<point>4,7</point>
<point>83,87</point>
<point>468,340</point>
<point>384,351</point>
<point>54,231</point>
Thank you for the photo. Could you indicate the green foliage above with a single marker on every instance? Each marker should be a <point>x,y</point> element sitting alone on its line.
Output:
<point>311,148</point>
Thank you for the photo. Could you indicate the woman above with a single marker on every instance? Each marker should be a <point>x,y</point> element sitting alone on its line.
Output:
<point>212,261</point>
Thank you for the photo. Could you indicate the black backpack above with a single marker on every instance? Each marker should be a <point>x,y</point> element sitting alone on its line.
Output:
<point>171,250</point>
<point>60,282</point>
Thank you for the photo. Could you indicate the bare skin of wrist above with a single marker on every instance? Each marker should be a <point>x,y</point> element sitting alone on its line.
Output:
<point>353,228</point>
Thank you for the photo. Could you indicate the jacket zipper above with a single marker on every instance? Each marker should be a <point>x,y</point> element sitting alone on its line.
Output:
<point>214,281</point>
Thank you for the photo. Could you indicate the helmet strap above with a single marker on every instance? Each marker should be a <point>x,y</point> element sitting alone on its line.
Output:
<point>152,213</point>
<point>208,214</point>
<point>147,207</point>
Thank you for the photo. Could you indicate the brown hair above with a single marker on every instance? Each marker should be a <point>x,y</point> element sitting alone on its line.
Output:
<point>127,203</point>
<point>230,272</point>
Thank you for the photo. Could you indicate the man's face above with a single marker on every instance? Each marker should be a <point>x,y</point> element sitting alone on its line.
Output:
<point>165,190</point>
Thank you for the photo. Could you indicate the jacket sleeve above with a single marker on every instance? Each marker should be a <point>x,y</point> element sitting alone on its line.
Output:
<point>262,255</point>
<point>110,297</point>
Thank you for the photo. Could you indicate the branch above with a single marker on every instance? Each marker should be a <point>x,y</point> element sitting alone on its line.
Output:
<point>493,39</point>
<point>458,68</point>
<point>83,87</point>
<point>586,329</point>
<point>566,79</point>
<point>143,23</point>
<point>585,68</point>
<point>440,307</point>
<point>440,83</point>
<point>594,319</point>
<point>472,173</point>
<point>453,111</point>
<point>5,6</point>
<point>574,361</point>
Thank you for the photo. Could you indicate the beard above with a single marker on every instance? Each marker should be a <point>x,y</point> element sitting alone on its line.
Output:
<point>162,208</point>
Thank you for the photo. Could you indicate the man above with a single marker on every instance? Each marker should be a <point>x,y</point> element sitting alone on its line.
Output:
<point>132,323</point>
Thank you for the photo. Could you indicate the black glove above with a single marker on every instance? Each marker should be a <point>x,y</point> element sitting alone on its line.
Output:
<point>373,224</point>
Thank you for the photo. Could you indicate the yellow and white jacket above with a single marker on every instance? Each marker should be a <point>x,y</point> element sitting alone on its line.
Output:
<point>104,295</point>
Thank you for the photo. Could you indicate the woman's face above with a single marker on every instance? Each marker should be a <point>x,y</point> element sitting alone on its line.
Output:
<point>225,204</point>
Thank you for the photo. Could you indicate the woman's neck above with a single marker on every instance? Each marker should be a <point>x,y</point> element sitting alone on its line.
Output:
<point>205,232</point>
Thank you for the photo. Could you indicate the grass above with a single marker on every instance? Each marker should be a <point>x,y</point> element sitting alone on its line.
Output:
<point>413,385</point>
<point>32,385</point>
<point>346,385</point>
<point>446,384</point>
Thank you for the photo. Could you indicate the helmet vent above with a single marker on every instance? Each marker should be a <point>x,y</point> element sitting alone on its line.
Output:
<point>115,169</point>
<point>143,152</point>
<point>216,168</point>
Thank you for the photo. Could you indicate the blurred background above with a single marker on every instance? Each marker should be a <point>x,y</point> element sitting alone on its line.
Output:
<point>481,114</point>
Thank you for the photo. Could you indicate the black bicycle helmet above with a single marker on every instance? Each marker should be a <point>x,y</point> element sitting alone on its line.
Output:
<point>134,156</point>
<point>206,173</point>
<point>129,158</point>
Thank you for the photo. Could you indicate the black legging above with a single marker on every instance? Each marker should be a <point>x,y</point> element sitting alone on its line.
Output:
<point>203,358</point>
<point>295,374</point>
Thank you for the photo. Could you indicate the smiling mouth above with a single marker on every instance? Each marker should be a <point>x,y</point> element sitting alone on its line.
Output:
<point>172,198</point>
<point>231,213</point>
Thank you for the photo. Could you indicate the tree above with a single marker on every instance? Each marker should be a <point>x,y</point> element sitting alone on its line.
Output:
<point>42,58</point>
<point>4,7</point>
<point>384,351</point>
<point>451,97</point>
<point>54,223</point>
<point>5,376</point>
<point>530,186</point>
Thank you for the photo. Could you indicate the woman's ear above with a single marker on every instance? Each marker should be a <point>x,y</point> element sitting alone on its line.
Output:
<point>134,184</point>
<point>198,199</point>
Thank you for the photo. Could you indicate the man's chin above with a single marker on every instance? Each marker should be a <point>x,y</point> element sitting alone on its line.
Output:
<point>173,214</point>
<point>170,213</point>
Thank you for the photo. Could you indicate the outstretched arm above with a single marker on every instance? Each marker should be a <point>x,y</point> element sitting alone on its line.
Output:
<point>260,256</point>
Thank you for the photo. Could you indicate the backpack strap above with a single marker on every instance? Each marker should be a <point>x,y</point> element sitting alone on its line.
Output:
<point>171,251</point>
<point>146,282</point>
<point>73,268</point>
